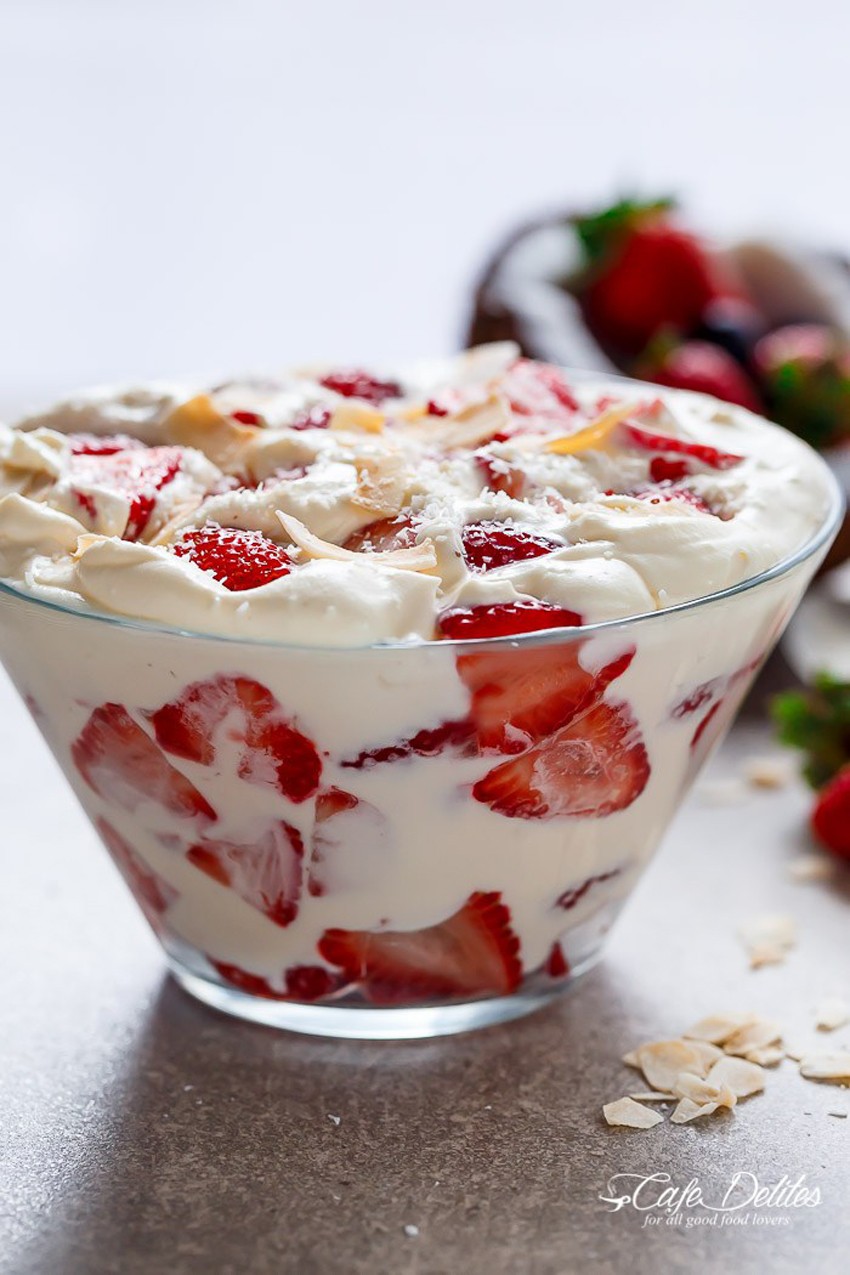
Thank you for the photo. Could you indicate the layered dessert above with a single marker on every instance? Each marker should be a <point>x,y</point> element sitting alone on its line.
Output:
<point>361,676</point>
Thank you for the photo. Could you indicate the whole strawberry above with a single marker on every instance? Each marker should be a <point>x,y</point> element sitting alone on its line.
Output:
<point>805,373</point>
<point>643,273</point>
<point>700,366</point>
<point>831,815</point>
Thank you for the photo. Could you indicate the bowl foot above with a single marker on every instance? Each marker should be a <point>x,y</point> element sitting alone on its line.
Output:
<point>367,1023</point>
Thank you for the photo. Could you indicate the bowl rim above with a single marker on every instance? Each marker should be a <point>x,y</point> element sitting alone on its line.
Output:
<point>820,539</point>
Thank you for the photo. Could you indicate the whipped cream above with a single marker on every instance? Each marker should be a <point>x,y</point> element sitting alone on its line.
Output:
<point>640,498</point>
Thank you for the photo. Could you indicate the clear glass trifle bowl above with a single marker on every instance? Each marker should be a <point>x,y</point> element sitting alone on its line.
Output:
<point>397,840</point>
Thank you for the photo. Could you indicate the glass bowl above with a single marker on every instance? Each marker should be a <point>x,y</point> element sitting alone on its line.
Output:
<point>398,840</point>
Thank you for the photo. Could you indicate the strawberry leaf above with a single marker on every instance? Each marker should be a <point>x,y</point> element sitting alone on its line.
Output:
<point>599,232</point>
<point>817,720</point>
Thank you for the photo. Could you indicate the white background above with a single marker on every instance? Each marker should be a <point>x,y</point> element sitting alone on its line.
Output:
<point>200,185</point>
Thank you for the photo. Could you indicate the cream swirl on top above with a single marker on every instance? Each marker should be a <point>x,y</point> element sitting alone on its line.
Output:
<point>482,495</point>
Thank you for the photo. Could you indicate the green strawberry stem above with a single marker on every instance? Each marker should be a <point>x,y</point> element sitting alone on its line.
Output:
<point>599,232</point>
<point>817,721</point>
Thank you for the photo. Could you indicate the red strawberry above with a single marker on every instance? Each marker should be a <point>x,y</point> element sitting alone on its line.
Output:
<point>831,815</point>
<point>398,532</point>
<point>652,441</point>
<point>472,953</point>
<point>354,383</point>
<point>138,474</point>
<point>520,696</point>
<point>237,559</point>
<point>274,751</point>
<point>664,470</point>
<point>498,475</point>
<point>576,893</point>
<point>591,768</point>
<point>458,736</point>
<point>349,840</point>
<point>152,893</point>
<point>557,965</point>
<point>303,982</point>
<point>500,619</point>
<point>703,367</point>
<point>540,390</point>
<point>101,444</point>
<point>245,417</point>
<point>495,544</point>
<point>312,418</point>
<point>123,765</point>
<point>645,274</point>
<point>265,872</point>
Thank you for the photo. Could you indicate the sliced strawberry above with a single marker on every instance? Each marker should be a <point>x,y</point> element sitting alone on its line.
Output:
<point>303,982</point>
<point>138,474</point>
<point>459,737</point>
<point>244,417</point>
<point>237,559</point>
<point>274,751</point>
<point>500,619</point>
<point>472,953</point>
<point>152,892</point>
<point>312,418</point>
<point>576,893</point>
<point>398,532</point>
<point>649,440</point>
<point>539,389</point>
<point>557,965</point>
<point>266,872</point>
<point>662,469</point>
<point>495,544</point>
<point>123,765</point>
<point>520,696</point>
<point>354,383</point>
<point>831,815</point>
<point>591,768</point>
<point>498,475</point>
<point>349,841</point>
<point>101,444</point>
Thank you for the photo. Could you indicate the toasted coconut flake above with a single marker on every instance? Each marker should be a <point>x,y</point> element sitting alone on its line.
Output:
<point>663,1061</point>
<point>180,519</point>
<point>756,1035</point>
<point>630,1114</point>
<point>829,1065</point>
<point>631,1059</point>
<point>381,485</point>
<point>198,423</point>
<point>768,1056</point>
<point>708,1053</point>
<point>356,418</point>
<point>742,1077</point>
<point>650,1095</point>
<point>688,1110</point>
<point>772,771</point>
<point>86,542</point>
<point>832,1012</point>
<point>421,557</point>
<point>768,939</point>
<point>811,867</point>
<point>596,435</point>
<point>717,1028</point>
<point>701,1091</point>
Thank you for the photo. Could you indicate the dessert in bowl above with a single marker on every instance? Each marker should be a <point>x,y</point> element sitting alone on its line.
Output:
<point>381,690</point>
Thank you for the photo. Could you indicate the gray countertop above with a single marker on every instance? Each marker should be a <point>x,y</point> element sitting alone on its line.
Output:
<point>142,1132</point>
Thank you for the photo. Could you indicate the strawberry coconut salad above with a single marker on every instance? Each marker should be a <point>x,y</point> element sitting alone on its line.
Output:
<point>379,688</point>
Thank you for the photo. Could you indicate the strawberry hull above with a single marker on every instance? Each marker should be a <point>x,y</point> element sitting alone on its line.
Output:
<point>391,841</point>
